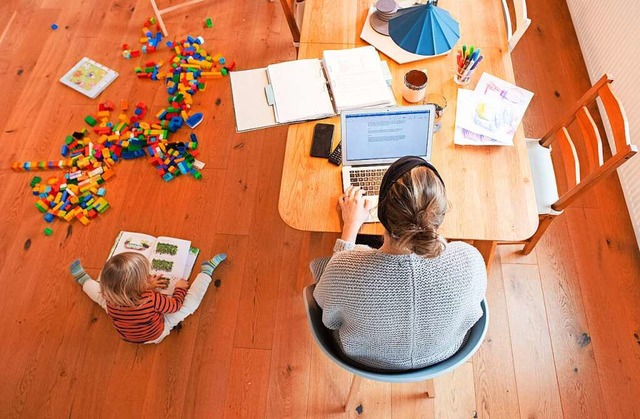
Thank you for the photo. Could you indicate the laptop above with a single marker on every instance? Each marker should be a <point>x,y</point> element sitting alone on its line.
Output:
<point>373,139</point>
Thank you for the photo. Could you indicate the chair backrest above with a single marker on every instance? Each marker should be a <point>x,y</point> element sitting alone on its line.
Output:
<point>325,341</point>
<point>582,156</point>
<point>522,21</point>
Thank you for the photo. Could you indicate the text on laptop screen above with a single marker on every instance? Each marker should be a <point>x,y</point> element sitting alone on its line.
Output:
<point>387,135</point>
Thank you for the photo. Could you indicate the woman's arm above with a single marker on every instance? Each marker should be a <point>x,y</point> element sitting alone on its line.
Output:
<point>355,211</point>
<point>328,295</point>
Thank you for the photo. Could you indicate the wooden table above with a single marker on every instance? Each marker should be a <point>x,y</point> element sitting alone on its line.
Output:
<point>489,188</point>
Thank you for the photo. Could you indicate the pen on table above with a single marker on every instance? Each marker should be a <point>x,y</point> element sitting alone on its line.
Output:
<point>462,58</point>
<point>472,65</point>
<point>467,61</point>
<point>475,54</point>
<point>477,62</point>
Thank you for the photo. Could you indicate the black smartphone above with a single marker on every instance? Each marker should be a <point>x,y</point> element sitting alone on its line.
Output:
<point>321,142</point>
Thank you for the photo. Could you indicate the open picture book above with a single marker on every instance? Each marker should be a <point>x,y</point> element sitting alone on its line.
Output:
<point>169,257</point>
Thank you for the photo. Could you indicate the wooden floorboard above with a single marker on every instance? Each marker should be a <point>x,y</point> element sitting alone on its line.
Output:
<point>564,331</point>
<point>494,371</point>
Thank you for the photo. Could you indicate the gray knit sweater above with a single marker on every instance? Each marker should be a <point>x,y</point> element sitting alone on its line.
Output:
<point>400,312</point>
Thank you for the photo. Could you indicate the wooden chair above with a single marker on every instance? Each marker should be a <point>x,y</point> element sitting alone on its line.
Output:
<point>291,21</point>
<point>159,12</point>
<point>582,159</point>
<point>325,341</point>
<point>522,22</point>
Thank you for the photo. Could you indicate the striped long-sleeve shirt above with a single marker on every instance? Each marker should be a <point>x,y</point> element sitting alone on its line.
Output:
<point>145,322</point>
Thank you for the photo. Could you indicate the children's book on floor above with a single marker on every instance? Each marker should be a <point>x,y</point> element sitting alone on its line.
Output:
<point>170,257</point>
<point>89,77</point>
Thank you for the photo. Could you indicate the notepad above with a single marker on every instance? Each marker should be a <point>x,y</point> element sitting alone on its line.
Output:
<point>299,90</point>
<point>356,78</point>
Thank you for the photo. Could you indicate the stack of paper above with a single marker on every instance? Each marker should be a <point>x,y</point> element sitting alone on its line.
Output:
<point>490,114</point>
<point>299,91</point>
<point>356,79</point>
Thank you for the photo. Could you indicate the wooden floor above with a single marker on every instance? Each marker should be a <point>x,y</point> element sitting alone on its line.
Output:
<point>564,336</point>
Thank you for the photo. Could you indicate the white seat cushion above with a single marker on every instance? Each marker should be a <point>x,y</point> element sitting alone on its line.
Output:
<point>544,178</point>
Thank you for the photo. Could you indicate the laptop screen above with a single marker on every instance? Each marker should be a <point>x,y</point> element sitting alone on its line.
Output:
<point>387,135</point>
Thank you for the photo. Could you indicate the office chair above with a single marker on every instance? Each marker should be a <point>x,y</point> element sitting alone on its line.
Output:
<point>581,156</point>
<point>326,342</point>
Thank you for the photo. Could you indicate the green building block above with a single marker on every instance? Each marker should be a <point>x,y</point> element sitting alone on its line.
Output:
<point>48,231</point>
<point>90,120</point>
<point>41,207</point>
<point>209,23</point>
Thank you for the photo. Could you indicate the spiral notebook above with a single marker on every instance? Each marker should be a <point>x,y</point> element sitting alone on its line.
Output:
<point>302,90</point>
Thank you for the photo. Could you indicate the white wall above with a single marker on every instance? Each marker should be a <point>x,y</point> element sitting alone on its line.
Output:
<point>609,36</point>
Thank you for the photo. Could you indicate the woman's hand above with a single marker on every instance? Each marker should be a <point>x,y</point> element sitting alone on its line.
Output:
<point>355,211</point>
<point>157,281</point>
<point>181,283</point>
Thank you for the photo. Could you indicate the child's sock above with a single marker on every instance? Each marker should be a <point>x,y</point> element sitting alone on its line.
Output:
<point>210,265</point>
<point>78,273</point>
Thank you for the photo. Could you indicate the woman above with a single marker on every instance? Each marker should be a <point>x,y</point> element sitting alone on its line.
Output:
<point>412,302</point>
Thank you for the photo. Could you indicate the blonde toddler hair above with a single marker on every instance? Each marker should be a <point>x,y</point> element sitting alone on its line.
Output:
<point>124,279</point>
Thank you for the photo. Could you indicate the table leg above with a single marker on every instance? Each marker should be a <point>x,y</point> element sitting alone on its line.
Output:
<point>487,249</point>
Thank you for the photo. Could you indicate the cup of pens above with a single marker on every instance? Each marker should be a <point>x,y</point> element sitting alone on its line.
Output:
<point>467,61</point>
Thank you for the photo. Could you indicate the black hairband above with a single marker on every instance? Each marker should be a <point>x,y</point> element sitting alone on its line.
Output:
<point>395,172</point>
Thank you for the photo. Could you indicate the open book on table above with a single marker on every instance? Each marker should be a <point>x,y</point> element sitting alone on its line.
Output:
<point>170,257</point>
<point>302,90</point>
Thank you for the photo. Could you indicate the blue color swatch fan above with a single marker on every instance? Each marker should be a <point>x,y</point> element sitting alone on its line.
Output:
<point>425,30</point>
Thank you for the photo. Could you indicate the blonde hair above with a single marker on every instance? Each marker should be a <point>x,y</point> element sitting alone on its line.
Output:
<point>124,279</point>
<point>415,206</point>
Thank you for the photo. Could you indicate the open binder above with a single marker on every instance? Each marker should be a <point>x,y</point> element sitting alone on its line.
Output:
<point>302,90</point>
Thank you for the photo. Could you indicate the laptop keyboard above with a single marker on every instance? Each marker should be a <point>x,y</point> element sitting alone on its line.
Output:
<point>367,179</point>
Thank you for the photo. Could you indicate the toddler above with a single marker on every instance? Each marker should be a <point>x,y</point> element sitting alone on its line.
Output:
<point>126,292</point>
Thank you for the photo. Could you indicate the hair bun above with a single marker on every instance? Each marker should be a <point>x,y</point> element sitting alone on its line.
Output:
<point>421,240</point>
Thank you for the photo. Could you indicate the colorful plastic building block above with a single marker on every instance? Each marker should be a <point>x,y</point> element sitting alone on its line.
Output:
<point>91,154</point>
<point>194,120</point>
<point>48,231</point>
<point>90,120</point>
